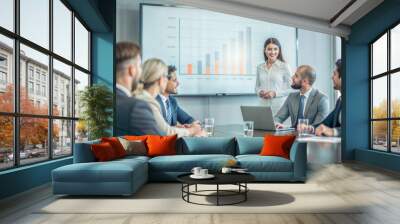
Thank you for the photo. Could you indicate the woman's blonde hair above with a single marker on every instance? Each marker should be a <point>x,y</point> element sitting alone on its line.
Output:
<point>153,70</point>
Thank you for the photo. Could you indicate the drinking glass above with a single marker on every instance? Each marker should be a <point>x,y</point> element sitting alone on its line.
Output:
<point>209,126</point>
<point>302,127</point>
<point>248,128</point>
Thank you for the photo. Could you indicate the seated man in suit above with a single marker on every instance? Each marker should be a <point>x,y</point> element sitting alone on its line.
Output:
<point>134,116</point>
<point>308,103</point>
<point>171,111</point>
<point>330,126</point>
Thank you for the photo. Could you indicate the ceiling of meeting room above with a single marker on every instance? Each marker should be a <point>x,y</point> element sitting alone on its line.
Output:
<point>325,16</point>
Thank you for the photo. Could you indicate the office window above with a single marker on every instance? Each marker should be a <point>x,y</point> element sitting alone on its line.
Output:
<point>81,45</point>
<point>7,84</point>
<point>81,81</point>
<point>395,47</point>
<point>35,21</point>
<point>379,56</point>
<point>62,74</point>
<point>6,142</point>
<point>385,97</point>
<point>7,14</point>
<point>34,145</point>
<point>62,29</point>
<point>45,131</point>
<point>62,137</point>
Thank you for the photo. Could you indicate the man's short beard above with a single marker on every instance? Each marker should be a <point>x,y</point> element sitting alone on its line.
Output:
<point>172,92</point>
<point>295,86</point>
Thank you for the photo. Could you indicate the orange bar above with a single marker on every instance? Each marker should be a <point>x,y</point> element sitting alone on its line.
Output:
<point>189,69</point>
<point>216,68</point>
<point>208,70</point>
<point>241,67</point>
<point>241,61</point>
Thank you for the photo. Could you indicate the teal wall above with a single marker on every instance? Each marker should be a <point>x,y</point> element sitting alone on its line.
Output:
<point>24,178</point>
<point>103,50</point>
<point>102,59</point>
<point>356,123</point>
<point>99,16</point>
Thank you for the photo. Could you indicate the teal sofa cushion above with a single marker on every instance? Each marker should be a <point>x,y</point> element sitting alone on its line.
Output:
<point>118,170</point>
<point>118,177</point>
<point>249,145</point>
<point>185,163</point>
<point>83,152</point>
<point>201,146</point>
<point>257,163</point>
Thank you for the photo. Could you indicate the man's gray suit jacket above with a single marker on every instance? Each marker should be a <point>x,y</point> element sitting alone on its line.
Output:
<point>134,117</point>
<point>316,108</point>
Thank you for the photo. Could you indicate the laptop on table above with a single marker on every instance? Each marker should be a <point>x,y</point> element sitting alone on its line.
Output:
<point>262,117</point>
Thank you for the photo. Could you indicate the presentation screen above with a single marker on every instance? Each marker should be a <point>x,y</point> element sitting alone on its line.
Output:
<point>214,53</point>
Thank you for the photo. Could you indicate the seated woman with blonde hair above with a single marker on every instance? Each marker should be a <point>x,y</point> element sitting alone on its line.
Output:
<point>153,81</point>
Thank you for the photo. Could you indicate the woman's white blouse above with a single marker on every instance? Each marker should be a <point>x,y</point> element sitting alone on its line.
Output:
<point>276,78</point>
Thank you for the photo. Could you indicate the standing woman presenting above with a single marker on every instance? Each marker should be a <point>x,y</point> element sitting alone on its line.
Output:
<point>273,76</point>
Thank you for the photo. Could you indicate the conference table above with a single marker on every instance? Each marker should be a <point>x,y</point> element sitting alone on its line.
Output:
<point>320,150</point>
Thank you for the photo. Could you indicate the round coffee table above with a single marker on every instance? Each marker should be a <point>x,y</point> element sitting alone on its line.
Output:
<point>238,179</point>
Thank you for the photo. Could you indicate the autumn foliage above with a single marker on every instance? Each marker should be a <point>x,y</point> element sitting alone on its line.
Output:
<point>380,127</point>
<point>33,131</point>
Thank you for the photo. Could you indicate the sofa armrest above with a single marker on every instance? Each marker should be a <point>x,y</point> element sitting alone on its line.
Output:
<point>83,152</point>
<point>298,155</point>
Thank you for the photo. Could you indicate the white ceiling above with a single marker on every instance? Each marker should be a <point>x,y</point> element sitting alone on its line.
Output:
<point>319,9</point>
<point>313,15</point>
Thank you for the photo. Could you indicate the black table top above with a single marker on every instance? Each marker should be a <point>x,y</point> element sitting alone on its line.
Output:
<point>220,178</point>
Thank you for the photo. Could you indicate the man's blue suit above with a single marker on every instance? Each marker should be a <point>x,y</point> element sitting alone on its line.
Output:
<point>333,120</point>
<point>177,114</point>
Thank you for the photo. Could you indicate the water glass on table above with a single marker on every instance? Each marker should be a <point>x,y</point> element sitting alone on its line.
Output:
<point>248,128</point>
<point>209,126</point>
<point>303,128</point>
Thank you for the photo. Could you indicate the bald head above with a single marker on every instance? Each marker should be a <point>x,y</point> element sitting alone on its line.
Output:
<point>304,78</point>
<point>307,72</point>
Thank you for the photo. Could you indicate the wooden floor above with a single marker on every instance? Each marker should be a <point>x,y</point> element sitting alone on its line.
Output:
<point>351,181</point>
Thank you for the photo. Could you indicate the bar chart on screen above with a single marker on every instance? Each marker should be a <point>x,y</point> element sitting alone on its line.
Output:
<point>214,53</point>
<point>228,51</point>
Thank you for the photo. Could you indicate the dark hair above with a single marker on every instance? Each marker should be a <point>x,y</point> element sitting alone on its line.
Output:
<point>338,64</point>
<point>171,69</point>
<point>275,41</point>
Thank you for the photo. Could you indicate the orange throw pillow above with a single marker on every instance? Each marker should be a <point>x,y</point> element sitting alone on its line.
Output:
<point>103,152</point>
<point>136,138</point>
<point>116,145</point>
<point>161,145</point>
<point>277,145</point>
